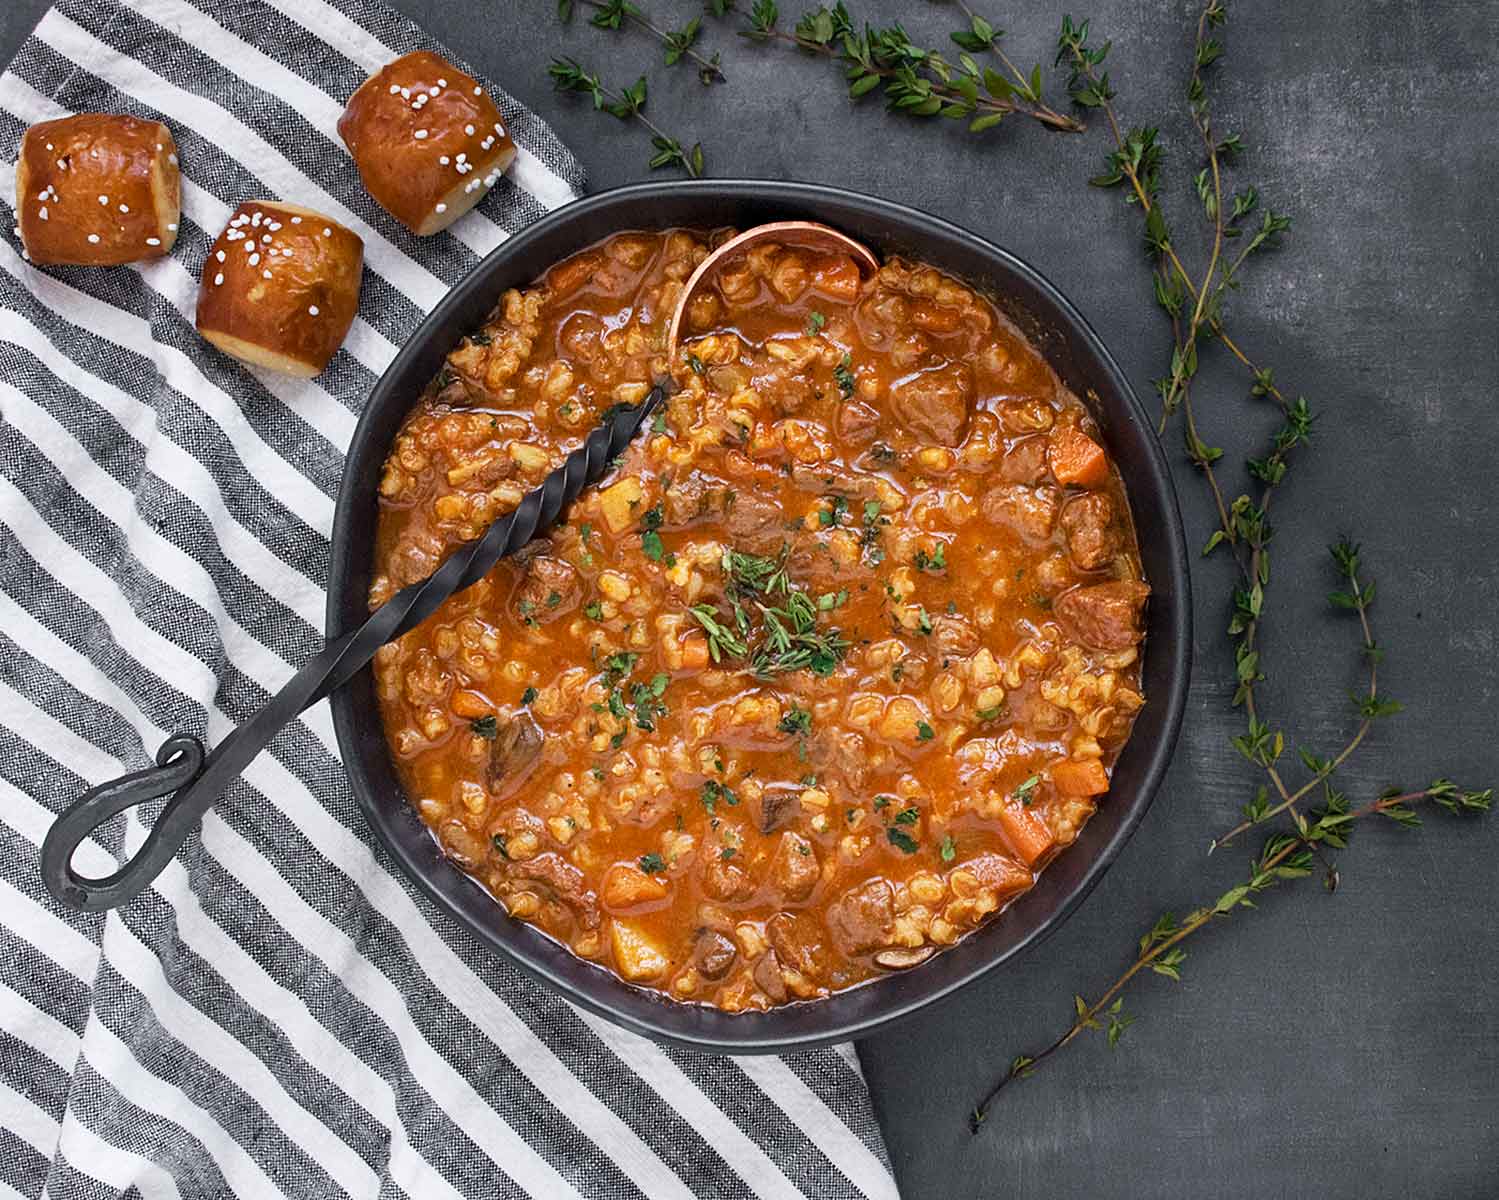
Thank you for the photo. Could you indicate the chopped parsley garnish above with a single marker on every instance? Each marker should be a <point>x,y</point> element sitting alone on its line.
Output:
<point>798,720</point>
<point>696,364</point>
<point>1026,792</point>
<point>844,376</point>
<point>871,511</point>
<point>585,531</point>
<point>498,841</point>
<point>831,600</point>
<point>713,792</point>
<point>901,840</point>
<point>935,561</point>
<point>883,801</point>
<point>594,610</point>
<point>652,864</point>
<point>650,540</point>
<point>988,714</point>
<point>528,695</point>
<point>598,773</point>
<point>949,849</point>
<point>645,698</point>
<point>726,853</point>
<point>554,599</point>
<point>621,664</point>
<point>908,816</point>
<point>923,622</point>
<point>924,732</point>
<point>658,422</point>
<point>815,322</point>
<point>485,727</point>
<point>833,514</point>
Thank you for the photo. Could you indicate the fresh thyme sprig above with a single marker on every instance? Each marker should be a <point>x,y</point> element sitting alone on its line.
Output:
<point>981,36</point>
<point>629,103</point>
<point>915,80</point>
<point>1194,305</point>
<point>1283,857</point>
<point>678,43</point>
<point>790,637</point>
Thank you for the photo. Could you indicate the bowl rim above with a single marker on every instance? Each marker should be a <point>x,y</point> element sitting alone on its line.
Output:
<point>1172,593</point>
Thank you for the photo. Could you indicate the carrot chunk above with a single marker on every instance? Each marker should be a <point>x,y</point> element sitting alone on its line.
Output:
<point>1026,831</point>
<point>1075,458</point>
<point>1084,778</point>
<point>837,277</point>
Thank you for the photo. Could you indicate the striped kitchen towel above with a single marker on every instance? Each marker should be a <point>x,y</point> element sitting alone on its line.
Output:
<point>282,1013</point>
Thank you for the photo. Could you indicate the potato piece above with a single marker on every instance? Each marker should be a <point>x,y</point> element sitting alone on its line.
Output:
<point>618,503</point>
<point>636,956</point>
<point>626,886</point>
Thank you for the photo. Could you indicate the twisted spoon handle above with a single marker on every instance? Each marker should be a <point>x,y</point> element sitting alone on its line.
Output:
<point>197,781</point>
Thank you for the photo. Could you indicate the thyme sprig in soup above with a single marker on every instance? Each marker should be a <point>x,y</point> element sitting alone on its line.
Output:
<point>834,660</point>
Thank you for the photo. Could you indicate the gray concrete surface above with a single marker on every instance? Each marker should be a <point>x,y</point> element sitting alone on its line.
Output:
<point>1335,1046</point>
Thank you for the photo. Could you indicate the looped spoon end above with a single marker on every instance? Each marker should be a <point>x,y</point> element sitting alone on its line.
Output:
<point>197,781</point>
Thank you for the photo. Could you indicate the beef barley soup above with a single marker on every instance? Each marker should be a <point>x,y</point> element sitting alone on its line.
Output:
<point>834,660</point>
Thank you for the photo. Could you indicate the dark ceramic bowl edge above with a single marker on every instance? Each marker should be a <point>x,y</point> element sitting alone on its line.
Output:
<point>589,986</point>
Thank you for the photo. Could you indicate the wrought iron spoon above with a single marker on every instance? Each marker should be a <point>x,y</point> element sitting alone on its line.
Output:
<point>197,778</point>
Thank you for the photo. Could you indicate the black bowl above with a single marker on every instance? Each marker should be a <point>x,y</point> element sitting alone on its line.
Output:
<point>1057,329</point>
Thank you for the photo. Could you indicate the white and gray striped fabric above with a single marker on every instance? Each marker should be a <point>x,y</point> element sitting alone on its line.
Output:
<point>281,1014</point>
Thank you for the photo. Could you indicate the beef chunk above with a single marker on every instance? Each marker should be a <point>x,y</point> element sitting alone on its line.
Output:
<point>1024,462</point>
<point>811,563</point>
<point>768,977</point>
<point>777,804</point>
<point>953,636</point>
<point>713,954</point>
<point>563,880</point>
<point>1031,511</point>
<point>691,499</point>
<point>514,751</point>
<point>549,588</point>
<point>725,880</point>
<point>798,942</point>
<point>856,421</point>
<point>1088,525</point>
<point>825,481</point>
<point>999,874</point>
<point>933,404</point>
<point>842,753</point>
<point>455,393</point>
<point>1105,616</point>
<point>794,870</point>
<point>753,521</point>
<point>861,919</point>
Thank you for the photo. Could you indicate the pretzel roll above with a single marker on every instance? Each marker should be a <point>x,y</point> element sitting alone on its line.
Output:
<point>280,287</point>
<point>96,189</point>
<point>427,139</point>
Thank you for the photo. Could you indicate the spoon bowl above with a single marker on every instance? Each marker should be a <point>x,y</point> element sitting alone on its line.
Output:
<point>804,235</point>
